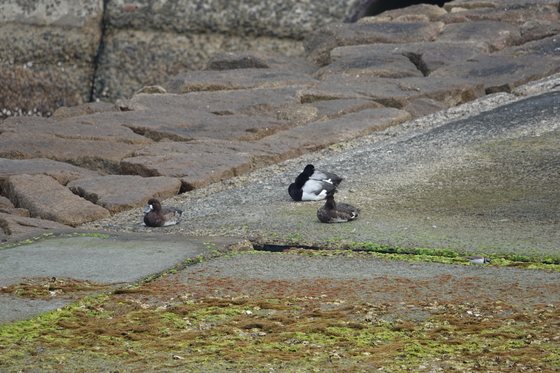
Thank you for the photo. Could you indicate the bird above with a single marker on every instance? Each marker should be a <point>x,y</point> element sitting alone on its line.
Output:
<point>306,189</point>
<point>329,177</point>
<point>157,216</point>
<point>333,212</point>
<point>478,259</point>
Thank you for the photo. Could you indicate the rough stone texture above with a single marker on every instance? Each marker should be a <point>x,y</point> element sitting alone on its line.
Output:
<point>548,47</point>
<point>12,225</point>
<point>500,73</point>
<point>395,92</point>
<point>60,171</point>
<point>318,44</point>
<point>424,106</point>
<point>413,13</point>
<point>242,79</point>
<point>47,53</point>
<point>497,35</point>
<point>383,65</point>
<point>55,202</point>
<point>506,12</point>
<point>259,60</point>
<point>120,192</point>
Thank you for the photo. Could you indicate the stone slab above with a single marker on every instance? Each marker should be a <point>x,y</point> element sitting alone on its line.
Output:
<point>16,227</point>
<point>545,48</point>
<point>517,14</point>
<point>117,193</point>
<point>60,171</point>
<point>55,202</point>
<point>395,92</point>
<point>195,81</point>
<point>318,44</point>
<point>117,259</point>
<point>497,35</point>
<point>374,63</point>
<point>500,73</point>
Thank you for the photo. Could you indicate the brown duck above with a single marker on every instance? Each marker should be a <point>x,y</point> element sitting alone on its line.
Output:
<point>333,212</point>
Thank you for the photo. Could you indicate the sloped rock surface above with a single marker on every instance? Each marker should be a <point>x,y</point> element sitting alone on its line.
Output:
<point>55,202</point>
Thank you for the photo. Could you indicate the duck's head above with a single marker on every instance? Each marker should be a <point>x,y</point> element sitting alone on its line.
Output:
<point>309,169</point>
<point>153,204</point>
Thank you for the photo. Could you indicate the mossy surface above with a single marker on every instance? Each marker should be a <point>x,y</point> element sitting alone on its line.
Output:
<point>214,325</point>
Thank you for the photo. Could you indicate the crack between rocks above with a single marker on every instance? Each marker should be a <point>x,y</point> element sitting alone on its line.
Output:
<point>100,49</point>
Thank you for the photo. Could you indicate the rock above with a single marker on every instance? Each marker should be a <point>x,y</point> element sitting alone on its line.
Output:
<point>424,106</point>
<point>195,81</point>
<point>241,101</point>
<point>260,60</point>
<point>15,226</point>
<point>48,53</point>
<point>5,203</point>
<point>55,202</point>
<point>195,164</point>
<point>537,29</point>
<point>61,172</point>
<point>497,35</point>
<point>374,63</point>
<point>426,56</point>
<point>500,73</point>
<point>318,44</point>
<point>84,109</point>
<point>332,109</point>
<point>413,13</point>
<point>547,47</point>
<point>513,14</point>
<point>117,193</point>
<point>318,135</point>
<point>395,92</point>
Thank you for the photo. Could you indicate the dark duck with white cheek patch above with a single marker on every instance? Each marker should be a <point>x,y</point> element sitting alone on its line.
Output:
<point>333,212</point>
<point>329,177</point>
<point>157,216</point>
<point>306,189</point>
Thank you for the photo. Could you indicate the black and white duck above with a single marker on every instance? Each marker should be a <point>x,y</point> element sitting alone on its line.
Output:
<point>333,212</point>
<point>306,189</point>
<point>329,177</point>
<point>157,216</point>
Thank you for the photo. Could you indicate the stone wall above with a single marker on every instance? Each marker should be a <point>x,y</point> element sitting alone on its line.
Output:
<point>57,53</point>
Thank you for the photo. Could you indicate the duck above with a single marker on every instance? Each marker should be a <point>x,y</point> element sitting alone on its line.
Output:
<point>329,177</point>
<point>478,259</point>
<point>157,216</point>
<point>306,189</point>
<point>333,212</point>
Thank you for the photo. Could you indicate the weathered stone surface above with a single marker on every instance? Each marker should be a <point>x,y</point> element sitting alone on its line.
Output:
<point>547,47</point>
<point>174,52</point>
<point>47,50</point>
<point>500,73</point>
<point>196,164</point>
<point>332,109</point>
<point>374,63</point>
<point>497,35</point>
<point>84,109</point>
<point>318,44</point>
<point>55,202</point>
<point>117,193</point>
<point>413,13</point>
<point>426,56</point>
<point>103,156</point>
<point>395,92</point>
<point>337,130</point>
<point>537,29</point>
<point>61,172</point>
<point>18,226</point>
<point>72,128</point>
<point>242,79</point>
<point>260,60</point>
<point>5,203</point>
<point>297,114</point>
<point>424,106</point>
<point>514,14</point>
<point>461,5</point>
<point>220,102</point>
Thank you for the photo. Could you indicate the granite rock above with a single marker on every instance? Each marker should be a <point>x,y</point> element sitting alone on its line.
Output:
<point>55,202</point>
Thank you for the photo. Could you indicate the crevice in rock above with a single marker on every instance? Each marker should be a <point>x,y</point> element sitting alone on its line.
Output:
<point>416,59</point>
<point>375,7</point>
<point>97,58</point>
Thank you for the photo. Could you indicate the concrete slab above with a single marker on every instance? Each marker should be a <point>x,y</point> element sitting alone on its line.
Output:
<point>111,259</point>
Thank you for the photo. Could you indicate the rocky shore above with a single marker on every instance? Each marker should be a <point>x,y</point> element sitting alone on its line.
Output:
<point>248,110</point>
